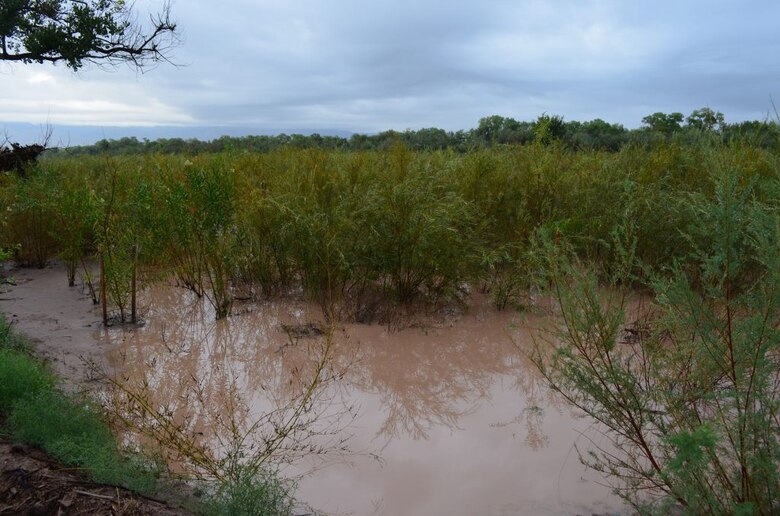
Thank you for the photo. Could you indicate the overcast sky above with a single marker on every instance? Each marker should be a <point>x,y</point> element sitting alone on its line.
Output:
<point>372,65</point>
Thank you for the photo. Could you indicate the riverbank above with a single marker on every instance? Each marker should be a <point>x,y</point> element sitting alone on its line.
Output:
<point>31,482</point>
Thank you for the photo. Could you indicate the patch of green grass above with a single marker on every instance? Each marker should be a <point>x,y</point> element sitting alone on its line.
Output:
<point>21,377</point>
<point>70,429</point>
<point>74,432</point>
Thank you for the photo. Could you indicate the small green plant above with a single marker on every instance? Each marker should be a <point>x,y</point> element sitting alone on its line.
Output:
<point>20,378</point>
<point>260,493</point>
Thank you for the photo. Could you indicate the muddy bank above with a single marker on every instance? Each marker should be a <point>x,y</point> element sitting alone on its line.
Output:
<point>32,483</point>
<point>60,321</point>
<point>446,414</point>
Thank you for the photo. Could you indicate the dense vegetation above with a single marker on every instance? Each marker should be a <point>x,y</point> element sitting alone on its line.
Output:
<point>491,131</point>
<point>359,230</point>
<point>690,405</point>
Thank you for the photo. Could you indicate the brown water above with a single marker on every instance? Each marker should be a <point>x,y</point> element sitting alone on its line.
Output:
<point>446,416</point>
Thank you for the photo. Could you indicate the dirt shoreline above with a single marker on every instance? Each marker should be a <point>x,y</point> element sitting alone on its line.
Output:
<point>32,483</point>
<point>61,328</point>
<point>60,325</point>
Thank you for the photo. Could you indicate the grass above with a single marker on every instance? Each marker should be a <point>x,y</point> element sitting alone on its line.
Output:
<point>21,377</point>
<point>73,430</point>
<point>69,428</point>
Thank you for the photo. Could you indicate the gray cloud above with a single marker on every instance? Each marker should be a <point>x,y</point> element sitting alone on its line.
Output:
<point>370,66</point>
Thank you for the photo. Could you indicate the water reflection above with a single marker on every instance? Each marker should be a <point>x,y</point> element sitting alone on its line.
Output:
<point>425,377</point>
<point>229,380</point>
<point>433,376</point>
<point>454,395</point>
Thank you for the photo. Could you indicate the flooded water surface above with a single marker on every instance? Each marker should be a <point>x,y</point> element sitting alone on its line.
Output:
<point>443,414</point>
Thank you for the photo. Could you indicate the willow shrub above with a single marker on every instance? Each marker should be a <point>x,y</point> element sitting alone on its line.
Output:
<point>122,234</point>
<point>358,228</point>
<point>317,212</point>
<point>195,228</point>
<point>75,207</point>
<point>690,406</point>
<point>418,232</point>
<point>30,221</point>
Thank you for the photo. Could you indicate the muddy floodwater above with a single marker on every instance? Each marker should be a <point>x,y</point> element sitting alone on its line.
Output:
<point>429,415</point>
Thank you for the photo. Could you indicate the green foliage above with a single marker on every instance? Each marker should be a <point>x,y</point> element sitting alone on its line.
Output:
<point>75,207</point>
<point>357,231</point>
<point>261,493</point>
<point>196,228</point>
<point>658,129</point>
<point>75,32</point>
<point>21,377</point>
<point>691,407</point>
<point>663,122</point>
<point>705,119</point>
<point>73,432</point>
<point>549,129</point>
<point>418,235</point>
<point>29,226</point>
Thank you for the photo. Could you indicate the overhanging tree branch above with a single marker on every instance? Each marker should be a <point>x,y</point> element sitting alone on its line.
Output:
<point>83,31</point>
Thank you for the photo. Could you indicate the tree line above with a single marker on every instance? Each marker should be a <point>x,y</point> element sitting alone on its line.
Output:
<point>657,128</point>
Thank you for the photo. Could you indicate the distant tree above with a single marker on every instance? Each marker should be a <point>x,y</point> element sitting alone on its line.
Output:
<point>498,129</point>
<point>706,119</point>
<point>430,138</point>
<point>596,134</point>
<point>761,134</point>
<point>79,31</point>
<point>548,129</point>
<point>664,123</point>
